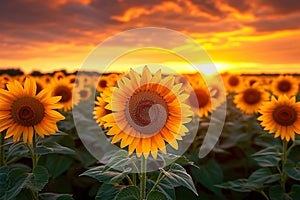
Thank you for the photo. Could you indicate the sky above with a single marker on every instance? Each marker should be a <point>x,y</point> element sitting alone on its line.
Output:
<point>240,36</point>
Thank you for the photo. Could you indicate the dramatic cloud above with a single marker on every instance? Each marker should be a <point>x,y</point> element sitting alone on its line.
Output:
<point>56,33</point>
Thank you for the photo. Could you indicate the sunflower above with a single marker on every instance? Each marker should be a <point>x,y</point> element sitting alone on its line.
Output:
<point>59,75</point>
<point>200,100</point>
<point>218,95</point>
<point>250,98</point>
<point>84,93</point>
<point>287,85</point>
<point>62,87</point>
<point>232,82</point>
<point>22,111</point>
<point>100,108</point>
<point>104,82</point>
<point>281,116</point>
<point>46,79</point>
<point>147,111</point>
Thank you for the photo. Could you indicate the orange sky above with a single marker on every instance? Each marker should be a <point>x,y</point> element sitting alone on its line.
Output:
<point>247,36</point>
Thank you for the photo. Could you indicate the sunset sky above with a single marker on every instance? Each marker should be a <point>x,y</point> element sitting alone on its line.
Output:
<point>245,36</point>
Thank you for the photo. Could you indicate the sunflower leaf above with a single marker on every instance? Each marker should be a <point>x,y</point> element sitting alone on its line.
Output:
<point>292,170</point>
<point>164,186</point>
<point>129,193</point>
<point>263,176</point>
<point>107,192</point>
<point>53,196</point>
<point>38,179</point>
<point>52,147</point>
<point>239,185</point>
<point>178,176</point>
<point>156,195</point>
<point>106,176</point>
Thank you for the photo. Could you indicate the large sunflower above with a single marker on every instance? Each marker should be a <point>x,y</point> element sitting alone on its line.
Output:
<point>281,117</point>
<point>287,85</point>
<point>250,98</point>
<point>22,111</point>
<point>147,111</point>
<point>62,87</point>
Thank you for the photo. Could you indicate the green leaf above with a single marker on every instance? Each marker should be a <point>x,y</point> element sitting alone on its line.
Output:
<point>107,192</point>
<point>165,187</point>
<point>17,149</point>
<point>129,193</point>
<point>57,164</point>
<point>52,147</point>
<point>295,194</point>
<point>276,193</point>
<point>268,151</point>
<point>239,185</point>
<point>53,196</point>
<point>267,161</point>
<point>16,180</point>
<point>120,161</point>
<point>156,195</point>
<point>106,176</point>
<point>177,175</point>
<point>263,176</point>
<point>39,178</point>
<point>209,175</point>
<point>292,170</point>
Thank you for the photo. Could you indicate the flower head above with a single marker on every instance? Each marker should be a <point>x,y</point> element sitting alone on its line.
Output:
<point>281,116</point>
<point>250,98</point>
<point>287,85</point>
<point>147,112</point>
<point>22,111</point>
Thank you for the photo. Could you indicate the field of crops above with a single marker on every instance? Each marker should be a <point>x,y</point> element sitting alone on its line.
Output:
<point>138,136</point>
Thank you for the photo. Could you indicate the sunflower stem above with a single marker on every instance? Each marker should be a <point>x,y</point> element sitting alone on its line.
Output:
<point>143,178</point>
<point>160,177</point>
<point>264,194</point>
<point>283,159</point>
<point>2,149</point>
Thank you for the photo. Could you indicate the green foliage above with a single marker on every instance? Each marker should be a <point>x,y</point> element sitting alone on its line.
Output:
<point>129,193</point>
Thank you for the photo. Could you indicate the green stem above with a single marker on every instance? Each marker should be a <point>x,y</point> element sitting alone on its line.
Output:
<point>160,177</point>
<point>2,149</point>
<point>134,178</point>
<point>264,194</point>
<point>143,178</point>
<point>283,159</point>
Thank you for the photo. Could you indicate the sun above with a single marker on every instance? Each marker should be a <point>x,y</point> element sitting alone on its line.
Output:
<point>148,111</point>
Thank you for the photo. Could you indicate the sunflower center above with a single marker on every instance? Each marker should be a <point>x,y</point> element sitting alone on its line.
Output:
<point>64,92</point>
<point>201,100</point>
<point>233,81</point>
<point>103,83</point>
<point>147,112</point>
<point>284,86</point>
<point>284,115</point>
<point>251,96</point>
<point>27,111</point>
<point>83,93</point>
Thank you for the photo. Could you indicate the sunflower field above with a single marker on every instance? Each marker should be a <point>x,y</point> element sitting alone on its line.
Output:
<point>149,135</point>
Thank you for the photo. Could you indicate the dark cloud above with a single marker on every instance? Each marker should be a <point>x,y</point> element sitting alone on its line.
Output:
<point>279,6</point>
<point>241,6</point>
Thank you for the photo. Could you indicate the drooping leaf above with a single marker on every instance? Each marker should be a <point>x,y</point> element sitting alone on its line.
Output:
<point>52,147</point>
<point>209,175</point>
<point>57,164</point>
<point>267,161</point>
<point>38,179</point>
<point>156,195</point>
<point>164,186</point>
<point>129,193</point>
<point>106,176</point>
<point>292,170</point>
<point>276,193</point>
<point>107,192</point>
<point>263,176</point>
<point>53,196</point>
<point>178,176</point>
<point>239,185</point>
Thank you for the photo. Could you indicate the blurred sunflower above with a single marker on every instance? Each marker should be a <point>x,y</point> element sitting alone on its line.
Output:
<point>250,98</point>
<point>22,111</point>
<point>287,85</point>
<point>59,75</point>
<point>147,111</point>
<point>218,95</point>
<point>84,93</point>
<point>104,82</point>
<point>100,109</point>
<point>46,79</point>
<point>281,116</point>
<point>200,100</point>
<point>62,87</point>
<point>232,82</point>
